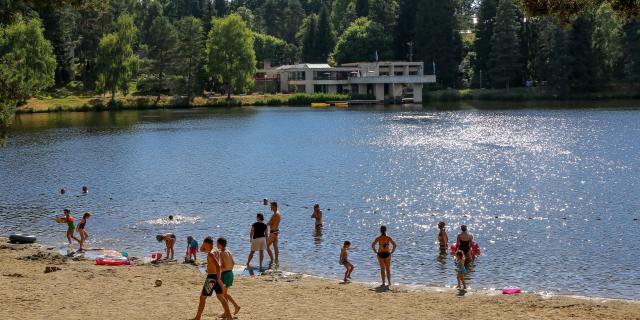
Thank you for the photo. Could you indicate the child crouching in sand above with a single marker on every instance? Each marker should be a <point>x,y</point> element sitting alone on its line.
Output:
<point>461,270</point>
<point>192,249</point>
<point>344,260</point>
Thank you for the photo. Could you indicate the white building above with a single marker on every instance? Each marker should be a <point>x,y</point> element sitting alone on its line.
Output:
<point>384,80</point>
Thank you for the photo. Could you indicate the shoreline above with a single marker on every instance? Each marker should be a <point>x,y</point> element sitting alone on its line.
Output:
<point>130,293</point>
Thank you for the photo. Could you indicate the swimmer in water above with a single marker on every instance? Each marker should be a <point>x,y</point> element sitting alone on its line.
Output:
<point>317,214</point>
<point>85,189</point>
<point>169,240</point>
<point>63,191</point>
<point>170,218</point>
<point>443,238</point>
<point>464,243</point>
<point>383,252</point>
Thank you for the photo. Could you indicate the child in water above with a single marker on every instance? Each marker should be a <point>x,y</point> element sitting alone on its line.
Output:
<point>192,249</point>
<point>461,270</point>
<point>344,260</point>
<point>83,234</point>
<point>443,238</point>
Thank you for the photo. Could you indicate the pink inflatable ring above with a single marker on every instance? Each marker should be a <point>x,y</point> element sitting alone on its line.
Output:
<point>510,290</point>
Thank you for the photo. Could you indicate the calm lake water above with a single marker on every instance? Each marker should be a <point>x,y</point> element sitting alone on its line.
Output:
<point>552,196</point>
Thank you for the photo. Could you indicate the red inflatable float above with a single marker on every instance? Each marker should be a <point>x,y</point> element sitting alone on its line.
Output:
<point>112,261</point>
<point>475,249</point>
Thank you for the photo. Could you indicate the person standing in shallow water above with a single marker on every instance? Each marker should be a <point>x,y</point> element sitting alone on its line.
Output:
<point>464,243</point>
<point>384,252</point>
<point>443,238</point>
<point>274,231</point>
<point>317,214</point>
<point>258,236</point>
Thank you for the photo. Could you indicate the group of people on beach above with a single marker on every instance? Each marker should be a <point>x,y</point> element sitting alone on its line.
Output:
<point>69,220</point>
<point>264,237</point>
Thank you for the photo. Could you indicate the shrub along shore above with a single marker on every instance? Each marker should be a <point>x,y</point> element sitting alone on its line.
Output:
<point>101,103</point>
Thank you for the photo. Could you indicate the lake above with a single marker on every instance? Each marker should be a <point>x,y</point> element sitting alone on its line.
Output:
<point>551,195</point>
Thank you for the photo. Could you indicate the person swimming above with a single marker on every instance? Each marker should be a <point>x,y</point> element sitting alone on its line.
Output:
<point>384,252</point>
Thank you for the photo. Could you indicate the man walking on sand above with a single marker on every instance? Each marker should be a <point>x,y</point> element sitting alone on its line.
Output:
<point>226,264</point>
<point>274,225</point>
<point>213,282</point>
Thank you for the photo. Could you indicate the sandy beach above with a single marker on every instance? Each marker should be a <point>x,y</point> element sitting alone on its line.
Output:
<point>82,290</point>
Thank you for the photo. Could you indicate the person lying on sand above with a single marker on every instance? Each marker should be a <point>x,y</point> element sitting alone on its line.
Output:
<point>226,264</point>
<point>213,282</point>
<point>169,240</point>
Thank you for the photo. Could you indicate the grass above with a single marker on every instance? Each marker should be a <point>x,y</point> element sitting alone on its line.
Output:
<point>82,102</point>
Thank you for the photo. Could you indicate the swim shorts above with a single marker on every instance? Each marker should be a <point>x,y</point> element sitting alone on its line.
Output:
<point>210,285</point>
<point>227,278</point>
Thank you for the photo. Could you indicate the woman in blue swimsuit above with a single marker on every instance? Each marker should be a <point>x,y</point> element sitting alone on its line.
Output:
<point>384,252</point>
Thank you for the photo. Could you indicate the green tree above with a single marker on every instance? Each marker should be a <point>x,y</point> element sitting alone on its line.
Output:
<point>307,38</point>
<point>27,64</point>
<point>565,9</point>
<point>343,12</point>
<point>631,48</point>
<point>439,41</point>
<point>249,18</point>
<point>117,63</point>
<point>505,64</point>
<point>162,53</point>
<point>362,8</point>
<point>276,50</point>
<point>384,12</point>
<point>404,37</point>
<point>231,59</point>
<point>361,41</point>
<point>543,42</point>
<point>59,26</point>
<point>190,54</point>
<point>484,33</point>
<point>325,38</point>
<point>560,59</point>
<point>607,45</point>
<point>582,59</point>
<point>221,7</point>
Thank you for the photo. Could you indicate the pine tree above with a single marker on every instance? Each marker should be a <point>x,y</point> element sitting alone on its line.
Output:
<point>292,17</point>
<point>221,7</point>
<point>190,50</point>
<point>362,8</point>
<point>307,38</point>
<point>505,64</point>
<point>342,14</point>
<point>631,47</point>
<point>404,36</point>
<point>581,65</point>
<point>607,45</point>
<point>482,44</point>
<point>384,12</point>
<point>439,41</point>
<point>162,53</point>
<point>325,38</point>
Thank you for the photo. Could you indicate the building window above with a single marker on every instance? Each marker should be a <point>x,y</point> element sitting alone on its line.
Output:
<point>355,88</point>
<point>384,73</point>
<point>320,88</point>
<point>399,73</point>
<point>413,73</point>
<point>297,75</point>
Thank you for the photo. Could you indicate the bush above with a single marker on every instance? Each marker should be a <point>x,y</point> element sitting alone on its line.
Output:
<point>303,99</point>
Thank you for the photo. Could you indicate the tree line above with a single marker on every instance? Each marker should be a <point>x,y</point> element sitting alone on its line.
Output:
<point>184,47</point>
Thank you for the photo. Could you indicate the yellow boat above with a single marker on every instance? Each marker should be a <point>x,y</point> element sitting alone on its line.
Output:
<point>342,104</point>
<point>320,105</point>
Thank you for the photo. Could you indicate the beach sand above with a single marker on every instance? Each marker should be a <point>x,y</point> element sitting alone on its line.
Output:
<point>82,290</point>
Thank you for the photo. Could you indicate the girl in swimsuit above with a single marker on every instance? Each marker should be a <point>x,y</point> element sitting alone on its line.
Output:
<point>461,270</point>
<point>384,253</point>
<point>83,234</point>
<point>169,240</point>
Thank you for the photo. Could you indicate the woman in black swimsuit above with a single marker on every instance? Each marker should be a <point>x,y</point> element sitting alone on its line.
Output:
<point>464,243</point>
<point>384,253</point>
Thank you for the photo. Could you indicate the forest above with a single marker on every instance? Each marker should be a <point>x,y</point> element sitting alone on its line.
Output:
<point>183,48</point>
